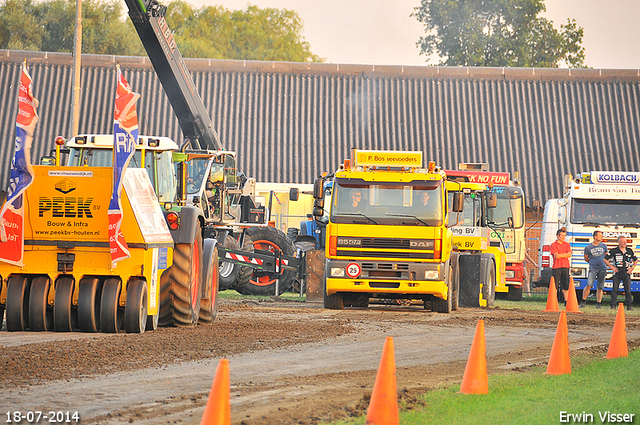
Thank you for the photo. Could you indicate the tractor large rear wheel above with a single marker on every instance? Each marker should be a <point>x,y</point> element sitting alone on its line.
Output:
<point>261,282</point>
<point>180,288</point>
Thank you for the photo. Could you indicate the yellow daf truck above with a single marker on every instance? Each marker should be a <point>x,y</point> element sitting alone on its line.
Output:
<point>388,233</point>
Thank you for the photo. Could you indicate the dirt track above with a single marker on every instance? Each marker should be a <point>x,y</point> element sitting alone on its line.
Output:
<point>290,362</point>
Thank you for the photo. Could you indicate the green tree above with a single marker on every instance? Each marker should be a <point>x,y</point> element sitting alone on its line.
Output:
<point>497,33</point>
<point>252,33</point>
<point>209,32</point>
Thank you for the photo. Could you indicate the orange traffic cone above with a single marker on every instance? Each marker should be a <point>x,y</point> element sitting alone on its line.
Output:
<point>559,361</point>
<point>475,379</point>
<point>552,297</point>
<point>218,409</point>
<point>572,302</point>
<point>383,407</point>
<point>618,343</point>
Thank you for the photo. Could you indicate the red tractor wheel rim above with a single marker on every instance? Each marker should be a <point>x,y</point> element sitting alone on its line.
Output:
<point>265,245</point>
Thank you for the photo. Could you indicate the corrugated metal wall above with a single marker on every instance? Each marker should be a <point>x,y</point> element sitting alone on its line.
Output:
<point>289,122</point>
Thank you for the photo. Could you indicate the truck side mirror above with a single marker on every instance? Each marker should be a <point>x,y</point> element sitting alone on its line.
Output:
<point>457,202</point>
<point>318,188</point>
<point>294,194</point>
<point>492,200</point>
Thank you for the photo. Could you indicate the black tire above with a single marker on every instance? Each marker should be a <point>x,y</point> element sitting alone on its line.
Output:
<point>489,291</point>
<point>292,233</point>
<point>17,304</point>
<point>65,314</point>
<point>455,278</point>
<point>515,293</point>
<point>334,301</point>
<point>89,293</point>
<point>305,244</point>
<point>264,283</point>
<point>180,292</point>
<point>210,283</point>
<point>111,314</point>
<point>228,271</point>
<point>153,321</point>
<point>135,310</point>
<point>40,312</point>
<point>439,305</point>
<point>356,299</point>
<point>245,271</point>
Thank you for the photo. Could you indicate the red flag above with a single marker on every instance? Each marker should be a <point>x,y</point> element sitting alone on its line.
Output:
<point>125,129</point>
<point>12,213</point>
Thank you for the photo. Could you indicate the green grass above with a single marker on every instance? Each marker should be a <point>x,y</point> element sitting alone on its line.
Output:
<point>234,295</point>
<point>538,302</point>
<point>595,385</point>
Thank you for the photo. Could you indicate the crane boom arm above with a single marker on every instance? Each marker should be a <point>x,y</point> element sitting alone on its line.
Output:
<point>148,19</point>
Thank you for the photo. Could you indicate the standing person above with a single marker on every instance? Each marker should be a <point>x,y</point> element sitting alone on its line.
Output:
<point>561,252</point>
<point>594,255</point>
<point>624,261</point>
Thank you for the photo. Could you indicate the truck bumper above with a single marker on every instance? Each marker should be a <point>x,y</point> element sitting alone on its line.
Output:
<point>386,278</point>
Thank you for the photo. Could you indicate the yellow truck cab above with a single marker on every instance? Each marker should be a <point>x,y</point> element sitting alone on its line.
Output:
<point>387,235</point>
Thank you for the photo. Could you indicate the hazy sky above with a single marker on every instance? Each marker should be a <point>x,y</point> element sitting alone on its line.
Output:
<point>382,32</point>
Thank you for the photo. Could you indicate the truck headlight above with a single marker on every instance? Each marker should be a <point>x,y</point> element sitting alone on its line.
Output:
<point>578,272</point>
<point>337,272</point>
<point>431,274</point>
<point>510,274</point>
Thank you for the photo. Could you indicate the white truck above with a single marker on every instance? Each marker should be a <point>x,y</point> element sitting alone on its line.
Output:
<point>608,201</point>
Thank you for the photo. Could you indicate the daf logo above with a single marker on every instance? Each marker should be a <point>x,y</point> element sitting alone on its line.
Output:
<point>419,244</point>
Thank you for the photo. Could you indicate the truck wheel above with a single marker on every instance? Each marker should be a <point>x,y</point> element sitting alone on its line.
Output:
<point>439,305</point>
<point>244,276</point>
<point>455,278</point>
<point>356,300</point>
<point>264,283</point>
<point>210,282</point>
<point>152,321</point>
<point>489,290</point>
<point>180,292</point>
<point>135,310</point>
<point>333,301</point>
<point>65,314</point>
<point>89,304</point>
<point>17,303</point>
<point>515,293</point>
<point>40,312</point>
<point>228,271</point>
<point>111,314</point>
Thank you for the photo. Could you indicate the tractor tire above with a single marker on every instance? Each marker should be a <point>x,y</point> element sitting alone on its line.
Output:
<point>135,310</point>
<point>18,303</point>
<point>40,312</point>
<point>263,283</point>
<point>65,314</point>
<point>180,292</point>
<point>228,271</point>
<point>210,283</point>
<point>292,233</point>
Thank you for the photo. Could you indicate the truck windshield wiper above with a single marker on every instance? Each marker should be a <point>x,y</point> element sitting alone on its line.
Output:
<point>407,215</point>
<point>629,224</point>
<point>361,215</point>
<point>590,223</point>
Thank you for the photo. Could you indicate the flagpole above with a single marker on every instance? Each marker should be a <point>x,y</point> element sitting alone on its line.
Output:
<point>77,53</point>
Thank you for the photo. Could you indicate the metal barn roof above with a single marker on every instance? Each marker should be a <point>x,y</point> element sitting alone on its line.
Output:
<point>289,122</point>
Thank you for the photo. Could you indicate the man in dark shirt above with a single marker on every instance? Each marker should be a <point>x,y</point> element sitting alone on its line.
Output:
<point>624,261</point>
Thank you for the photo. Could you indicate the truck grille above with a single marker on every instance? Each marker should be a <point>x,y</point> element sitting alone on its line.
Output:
<point>386,254</point>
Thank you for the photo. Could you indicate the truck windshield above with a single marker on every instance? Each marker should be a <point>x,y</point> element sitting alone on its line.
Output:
<point>605,212</point>
<point>471,214</point>
<point>158,165</point>
<point>509,205</point>
<point>387,203</point>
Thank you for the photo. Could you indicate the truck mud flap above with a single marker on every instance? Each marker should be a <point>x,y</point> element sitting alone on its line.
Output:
<point>469,269</point>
